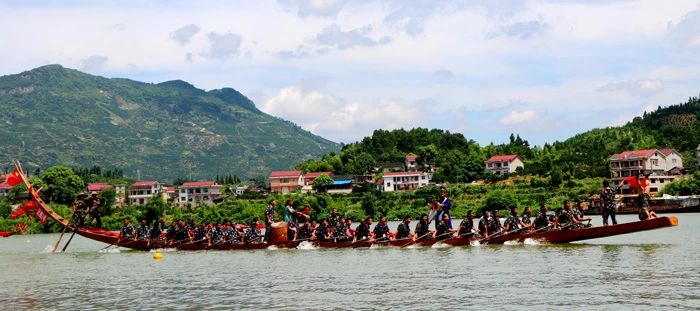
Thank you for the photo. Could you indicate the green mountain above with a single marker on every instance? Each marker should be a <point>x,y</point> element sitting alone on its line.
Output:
<point>462,160</point>
<point>54,115</point>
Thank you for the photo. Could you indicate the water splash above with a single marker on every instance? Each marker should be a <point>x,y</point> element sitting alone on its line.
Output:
<point>529,241</point>
<point>514,242</point>
<point>273,247</point>
<point>306,245</point>
<point>48,249</point>
<point>475,243</point>
<point>440,245</point>
<point>111,250</point>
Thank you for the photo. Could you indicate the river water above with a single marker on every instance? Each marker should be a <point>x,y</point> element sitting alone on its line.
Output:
<point>657,269</point>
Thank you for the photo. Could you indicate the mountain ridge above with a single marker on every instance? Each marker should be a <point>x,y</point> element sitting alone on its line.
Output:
<point>56,115</point>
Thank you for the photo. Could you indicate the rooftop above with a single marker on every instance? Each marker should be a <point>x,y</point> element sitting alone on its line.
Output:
<point>502,158</point>
<point>285,174</point>
<point>409,173</point>
<point>145,183</point>
<point>198,184</point>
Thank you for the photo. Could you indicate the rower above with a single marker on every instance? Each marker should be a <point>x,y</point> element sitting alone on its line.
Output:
<point>127,232</point>
<point>231,233</point>
<point>201,234</point>
<point>340,232</point>
<point>142,231</point>
<point>513,222</point>
<point>381,230</point>
<point>566,217</point>
<point>170,232</point>
<point>333,219</point>
<point>643,203</point>
<point>321,232</point>
<point>422,230</point>
<point>362,232</point>
<point>542,219</point>
<point>404,230</point>
<point>216,233</point>
<point>349,229</point>
<point>495,223</point>
<point>156,230</point>
<point>444,229</point>
<point>182,234</point>
<point>466,227</point>
<point>269,219</point>
<point>525,218</point>
<point>484,224</point>
<point>304,232</point>
<point>580,215</point>
<point>252,235</point>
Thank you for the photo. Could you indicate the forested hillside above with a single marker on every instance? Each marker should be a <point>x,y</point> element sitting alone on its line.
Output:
<point>460,159</point>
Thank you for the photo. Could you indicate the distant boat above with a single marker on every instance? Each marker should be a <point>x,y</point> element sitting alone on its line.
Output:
<point>661,205</point>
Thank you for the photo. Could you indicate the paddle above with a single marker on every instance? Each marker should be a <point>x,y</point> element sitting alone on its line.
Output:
<point>420,239</point>
<point>60,237</point>
<point>501,233</point>
<point>71,236</point>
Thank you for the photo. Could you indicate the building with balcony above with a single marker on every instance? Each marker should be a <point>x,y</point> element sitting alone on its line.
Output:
<point>196,192</point>
<point>504,164</point>
<point>310,177</point>
<point>661,165</point>
<point>141,191</point>
<point>411,180</point>
<point>286,181</point>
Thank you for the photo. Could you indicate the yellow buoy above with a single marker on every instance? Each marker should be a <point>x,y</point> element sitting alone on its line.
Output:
<point>157,255</point>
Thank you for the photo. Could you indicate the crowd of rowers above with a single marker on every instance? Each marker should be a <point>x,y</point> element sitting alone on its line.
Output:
<point>338,229</point>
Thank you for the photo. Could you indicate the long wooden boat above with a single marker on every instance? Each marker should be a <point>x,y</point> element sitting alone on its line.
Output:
<point>553,236</point>
<point>4,234</point>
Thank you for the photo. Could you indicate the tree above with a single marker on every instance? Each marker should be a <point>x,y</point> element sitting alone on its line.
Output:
<point>154,208</point>
<point>107,197</point>
<point>499,200</point>
<point>322,182</point>
<point>62,184</point>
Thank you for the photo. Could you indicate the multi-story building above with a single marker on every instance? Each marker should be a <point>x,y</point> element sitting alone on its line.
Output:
<point>504,164</point>
<point>310,177</point>
<point>662,165</point>
<point>410,161</point>
<point>286,181</point>
<point>141,191</point>
<point>395,181</point>
<point>195,192</point>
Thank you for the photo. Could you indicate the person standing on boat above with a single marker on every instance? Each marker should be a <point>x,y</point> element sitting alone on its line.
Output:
<point>422,229</point>
<point>95,204</point>
<point>404,229</point>
<point>80,210</point>
<point>466,227</point>
<point>269,219</point>
<point>288,210</point>
<point>333,219</point>
<point>444,205</point>
<point>381,230</point>
<point>609,207</point>
<point>127,232</point>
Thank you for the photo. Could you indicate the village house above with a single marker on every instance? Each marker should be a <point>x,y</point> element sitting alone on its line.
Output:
<point>504,164</point>
<point>410,161</point>
<point>170,193</point>
<point>309,179</point>
<point>141,191</point>
<point>286,181</point>
<point>97,187</point>
<point>662,165</point>
<point>411,180</point>
<point>196,192</point>
<point>4,188</point>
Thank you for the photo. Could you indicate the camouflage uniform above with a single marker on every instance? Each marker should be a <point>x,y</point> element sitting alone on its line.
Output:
<point>466,226</point>
<point>252,235</point>
<point>421,229</point>
<point>513,222</point>
<point>127,232</point>
<point>403,231</point>
<point>380,231</point>
<point>142,232</point>
<point>609,204</point>
<point>643,204</point>
<point>541,220</point>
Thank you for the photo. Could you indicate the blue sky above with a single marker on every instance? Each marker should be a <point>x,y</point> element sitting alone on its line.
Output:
<point>544,69</point>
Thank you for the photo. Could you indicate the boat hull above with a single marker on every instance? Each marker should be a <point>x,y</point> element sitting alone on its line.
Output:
<point>566,236</point>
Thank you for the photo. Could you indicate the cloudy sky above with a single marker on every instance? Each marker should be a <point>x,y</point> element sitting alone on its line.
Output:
<point>544,69</point>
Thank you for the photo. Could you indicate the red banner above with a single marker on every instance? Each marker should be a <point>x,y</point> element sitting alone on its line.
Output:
<point>14,178</point>
<point>41,215</point>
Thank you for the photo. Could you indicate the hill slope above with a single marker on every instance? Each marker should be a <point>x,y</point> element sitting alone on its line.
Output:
<point>54,115</point>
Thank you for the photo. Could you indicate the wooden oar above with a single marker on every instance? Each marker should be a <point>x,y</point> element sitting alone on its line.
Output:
<point>501,233</point>
<point>60,237</point>
<point>416,240</point>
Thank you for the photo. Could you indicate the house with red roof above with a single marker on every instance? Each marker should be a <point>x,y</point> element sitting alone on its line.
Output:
<point>4,188</point>
<point>196,192</point>
<point>286,181</point>
<point>97,187</point>
<point>661,165</point>
<point>504,164</point>
<point>410,180</point>
<point>141,191</point>
<point>410,161</point>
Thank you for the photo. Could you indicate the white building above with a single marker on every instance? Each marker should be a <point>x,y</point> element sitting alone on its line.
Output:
<point>504,164</point>
<point>395,181</point>
<point>410,161</point>
<point>196,192</point>
<point>664,165</point>
<point>141,191</point>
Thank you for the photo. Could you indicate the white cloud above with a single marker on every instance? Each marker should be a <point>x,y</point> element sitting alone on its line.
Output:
<point>522,30</point>
<point>687,31</point>
<point>93,64</point>
<point>337,119</point>
<point>333,37</point>
<point>319,8</point>
<point>183,34</point>
<point>224,46</point>
<point>640,88</point>
<point>519,117</point>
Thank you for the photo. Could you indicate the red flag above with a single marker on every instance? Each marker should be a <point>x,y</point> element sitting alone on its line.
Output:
<point>41,215</point>
<point>26,207</point>
<point>13,179</point>
<point>632,181</point>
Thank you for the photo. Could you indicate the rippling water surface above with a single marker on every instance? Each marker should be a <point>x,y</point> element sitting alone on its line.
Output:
<point>657,269</point>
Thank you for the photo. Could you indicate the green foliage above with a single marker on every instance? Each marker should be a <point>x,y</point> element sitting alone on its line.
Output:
<point>5,209</point>
<point>62,184</point>
<point>690,186</point>
<point>154,208</point>
<point>322,182</point>
<point>107,197</point>
<point>63,116</point>
<point>499,200</point>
